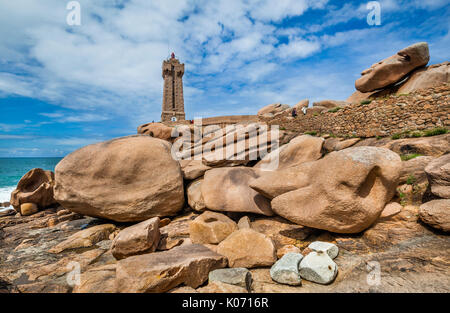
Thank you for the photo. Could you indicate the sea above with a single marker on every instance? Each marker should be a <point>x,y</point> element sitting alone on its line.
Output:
<point>12,170</point>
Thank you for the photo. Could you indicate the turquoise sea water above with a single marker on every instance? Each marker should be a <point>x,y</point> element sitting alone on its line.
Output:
<point>12,170</point>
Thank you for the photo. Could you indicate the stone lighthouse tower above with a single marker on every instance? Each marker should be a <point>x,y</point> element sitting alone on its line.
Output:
<point>173,101</point>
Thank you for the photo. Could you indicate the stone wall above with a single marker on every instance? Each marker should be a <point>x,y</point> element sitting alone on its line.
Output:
<point>419,110</point>
<point>220,120</point>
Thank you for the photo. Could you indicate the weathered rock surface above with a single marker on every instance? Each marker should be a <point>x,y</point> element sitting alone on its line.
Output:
<point>330,104</point>
<point>193,169</point>
<point>318,267</point>
<point>98,280</point>
<point>299,150</point>
<point>162,271</point>
<point>391,209</point>
<point>326,247</point>
<point>220,287</point>
<point>394,68</point>
<point>282,231</point>
<point>194,195</point>
<point>431,76</point>
<point>85,238</point>
<point>248,248</point>
<point>420,79</point>
<point>301,104</point>
<point>415,168</point>
<point>211,227</point>
<point>273,109</point>
<point>128,179</point>
<point>344,192</point>
<point>438,172</point>
<point>244,222</point>
<point>157,130</point>
<point>36,187</point>
<point>227,190</point>
<point>234,276</point>
<point>27,209</point>
<point>286,269</point>
<point>412,257</point>
<point>137,239</point>
<point>436,213</point>
<point>287,249</point>
<point>176,232</point>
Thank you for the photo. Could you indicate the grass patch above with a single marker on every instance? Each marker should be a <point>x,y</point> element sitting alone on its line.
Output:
<point>312,133</point>
<point>435,132</point>
<point>334,110</point>
<point>282,128</point>
<point>411,180</point>
<point>407,157</point>
<point>364,102</point>
<point>378,137</point>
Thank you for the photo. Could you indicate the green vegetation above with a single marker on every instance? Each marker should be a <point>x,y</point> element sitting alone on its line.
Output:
<point>334,110</point>
<point>312,133</point>
<point>403,94</point>
<point>416,134</point>
<point>364,102</point>
<point>435,132</point>
<point>411,180</point>
<point>378,137</point>
<point>316,114</point>
<point>332,135</point>
<point>282,128</point>
<point>407,157</point>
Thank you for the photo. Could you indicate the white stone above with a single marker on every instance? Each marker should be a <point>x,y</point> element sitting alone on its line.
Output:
<point>331,249</point>
<point>285,270</point>
<point>318,267</point>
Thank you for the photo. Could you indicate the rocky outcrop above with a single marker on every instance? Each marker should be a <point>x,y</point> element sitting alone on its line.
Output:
<point>194,195</point>
<point>137,239</point>
<point>211,227</point>
<point>193,169</point>
<point>414,168</point>
<point>420,79</point>
<point>394,68</point>
<point>227,190</point>
<point>85,238</point>
<point>157,130</point>
<point>301,104</point>
<point>273,109</point>
<point>330,104</point>
<point>344,192</point>
<point>438,172</point>
<point>128,179</point>
<point>161,271</point>
<point>248,248</point>
<point>436,213</point>
<point>299,150</point>
<point>27,209</point>
<point>36,187</point>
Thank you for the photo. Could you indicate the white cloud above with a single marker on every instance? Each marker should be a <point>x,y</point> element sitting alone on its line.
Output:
<point>298,48</point>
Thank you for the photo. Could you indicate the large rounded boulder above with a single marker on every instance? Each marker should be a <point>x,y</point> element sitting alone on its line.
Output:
<point>128,179</point>
<point>345,192</point>
<point>36,187</point>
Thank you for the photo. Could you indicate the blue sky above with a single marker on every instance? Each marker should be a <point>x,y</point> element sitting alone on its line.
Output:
<point>63,87</point>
